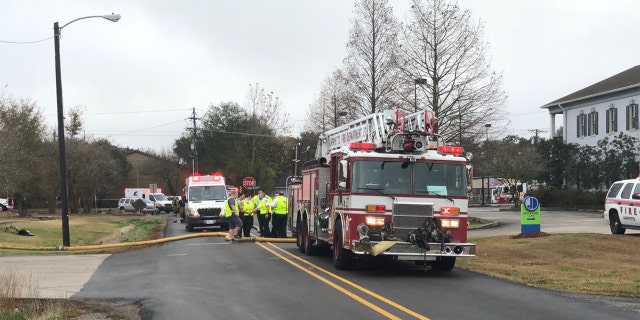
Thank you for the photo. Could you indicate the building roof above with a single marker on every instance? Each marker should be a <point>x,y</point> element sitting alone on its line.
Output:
<point>624,80</point>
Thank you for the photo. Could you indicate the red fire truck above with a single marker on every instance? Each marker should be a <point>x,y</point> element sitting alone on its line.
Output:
<point>384,185</point>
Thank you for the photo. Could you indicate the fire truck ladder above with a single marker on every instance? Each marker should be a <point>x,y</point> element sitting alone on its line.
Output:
<point>380,128</point>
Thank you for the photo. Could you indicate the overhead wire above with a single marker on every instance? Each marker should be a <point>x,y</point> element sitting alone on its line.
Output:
<point>25,42</point>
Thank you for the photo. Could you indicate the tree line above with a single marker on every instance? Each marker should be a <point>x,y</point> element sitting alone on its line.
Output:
<point>557,164</point>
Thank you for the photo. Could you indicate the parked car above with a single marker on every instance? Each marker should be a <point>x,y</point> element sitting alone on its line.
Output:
<point>126,204</point>
<point>621,206</point>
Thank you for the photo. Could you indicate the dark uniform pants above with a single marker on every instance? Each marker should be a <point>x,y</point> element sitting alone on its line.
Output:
<point>263,222</point>
<point>247,224</point>
<point>279,223</point>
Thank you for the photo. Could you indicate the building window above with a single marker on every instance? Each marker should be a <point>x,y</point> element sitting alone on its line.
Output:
<point>582,125</point>
<point>632,116</point>
<point>612,119</point>
<point>593,123</point>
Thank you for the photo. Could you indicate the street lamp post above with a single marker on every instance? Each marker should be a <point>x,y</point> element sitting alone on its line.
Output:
<point>416,82</point>
<point>482,186</point>
<point>61,144</point>
<point>486,126</point>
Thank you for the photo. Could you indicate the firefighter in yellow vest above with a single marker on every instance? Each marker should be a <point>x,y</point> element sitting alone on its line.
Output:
<point>231,212</point>
<point>279,217</point>
<point>249,209</point>
<point>262,203</point>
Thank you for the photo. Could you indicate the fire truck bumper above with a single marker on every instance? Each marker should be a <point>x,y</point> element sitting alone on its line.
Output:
<point>411,251</point>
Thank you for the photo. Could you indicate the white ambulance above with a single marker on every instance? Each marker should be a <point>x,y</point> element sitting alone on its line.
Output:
<point>205,199</point>
<point>622,206</point>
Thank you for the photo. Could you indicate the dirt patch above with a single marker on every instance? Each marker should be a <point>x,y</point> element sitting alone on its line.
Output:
<point>85,309</point>
<point>529,235</point>
<point>115,237</point>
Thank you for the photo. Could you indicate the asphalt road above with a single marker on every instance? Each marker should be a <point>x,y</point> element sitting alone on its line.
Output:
<point>208,278</point>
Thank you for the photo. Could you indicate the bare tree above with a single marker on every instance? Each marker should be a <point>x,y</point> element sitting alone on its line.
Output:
<point>74,124</point>
<point>334,106</point>
<point>443,45</point>
<point>514,160</point>
<point>267,109</point>
<point>370,60</point>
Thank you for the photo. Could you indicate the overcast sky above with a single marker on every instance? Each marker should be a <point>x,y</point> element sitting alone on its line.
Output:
<point>137,80</point>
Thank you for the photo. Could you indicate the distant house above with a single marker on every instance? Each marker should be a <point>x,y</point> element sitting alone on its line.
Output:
<point>600,110</point>
<point>149,169</point>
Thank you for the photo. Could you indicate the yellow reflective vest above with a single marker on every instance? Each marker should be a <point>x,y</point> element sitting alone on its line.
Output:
<point>248,207</point>
<point>281,206</point>
<point>263,204</point>
<point>227,208</point>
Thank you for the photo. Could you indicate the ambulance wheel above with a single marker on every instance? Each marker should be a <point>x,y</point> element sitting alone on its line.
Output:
<point>615,224</point>
<point>444,263</point>
<point>342,258</point>
<point>300,236</point>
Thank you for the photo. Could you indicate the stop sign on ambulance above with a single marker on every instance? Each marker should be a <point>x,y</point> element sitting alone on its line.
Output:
<point>248,182</point>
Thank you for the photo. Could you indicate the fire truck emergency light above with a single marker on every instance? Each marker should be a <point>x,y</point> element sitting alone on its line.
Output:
<point>450,223</point>
<point>450,211</point>
<point>375,208</point>
<point>375,221</point>
<point>454,150</point>
<point>362,146</point>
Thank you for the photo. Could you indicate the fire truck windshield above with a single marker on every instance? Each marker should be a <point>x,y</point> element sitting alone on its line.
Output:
<point>414,178</point>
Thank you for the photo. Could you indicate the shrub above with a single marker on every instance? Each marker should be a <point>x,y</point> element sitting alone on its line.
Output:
<point>569,198</point>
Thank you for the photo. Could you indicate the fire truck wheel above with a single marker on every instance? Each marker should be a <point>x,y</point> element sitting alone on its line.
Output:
<point>444,263</point>
<point>189,228</point>
<point>342,258</point>
<point>300,236</point>
<point>615,225</point>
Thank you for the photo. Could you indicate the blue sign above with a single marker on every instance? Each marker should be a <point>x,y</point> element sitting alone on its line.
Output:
<point>530,203</point>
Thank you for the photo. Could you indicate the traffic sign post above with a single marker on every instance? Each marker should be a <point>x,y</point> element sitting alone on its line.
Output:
<point>529,215</point>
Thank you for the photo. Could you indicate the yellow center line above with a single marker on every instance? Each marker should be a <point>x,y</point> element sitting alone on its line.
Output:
<point>358,287</point>
<point>335,286</point>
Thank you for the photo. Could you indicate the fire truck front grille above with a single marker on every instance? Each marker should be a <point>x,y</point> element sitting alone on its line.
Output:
<point>209,212</point>
<point>409,217</point>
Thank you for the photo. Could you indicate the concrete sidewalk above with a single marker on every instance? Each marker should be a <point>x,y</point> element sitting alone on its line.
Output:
<point>50,276</point>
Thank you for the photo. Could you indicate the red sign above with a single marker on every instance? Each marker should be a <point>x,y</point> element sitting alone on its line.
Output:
<point>248,182</point>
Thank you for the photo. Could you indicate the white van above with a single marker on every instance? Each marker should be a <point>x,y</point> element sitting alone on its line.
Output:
<point>622,206</point>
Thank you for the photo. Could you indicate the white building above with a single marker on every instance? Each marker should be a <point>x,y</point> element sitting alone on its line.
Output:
<point>600,110</point>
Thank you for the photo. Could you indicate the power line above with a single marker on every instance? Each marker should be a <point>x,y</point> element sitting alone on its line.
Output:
<point>126,112</point>
<point>162,125</point>
<point>24,42</point>
<point>536,132</point>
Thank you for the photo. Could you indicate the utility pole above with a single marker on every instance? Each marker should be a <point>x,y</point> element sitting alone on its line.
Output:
<point>536,132</point>
<point>194,151</point>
